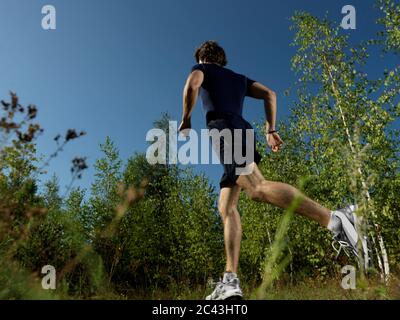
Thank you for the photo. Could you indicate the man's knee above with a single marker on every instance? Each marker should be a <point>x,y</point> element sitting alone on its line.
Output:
<point>258,192</point>
<point>226,210</point>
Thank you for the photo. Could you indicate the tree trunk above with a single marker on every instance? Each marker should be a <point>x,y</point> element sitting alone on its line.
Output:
<point>382,257</point>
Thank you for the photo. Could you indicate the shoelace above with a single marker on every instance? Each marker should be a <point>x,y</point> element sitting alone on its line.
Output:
<point>343,246</point>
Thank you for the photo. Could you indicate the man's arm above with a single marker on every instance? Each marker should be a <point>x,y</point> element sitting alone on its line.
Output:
<point>261,92</point>
<point>190,94</point>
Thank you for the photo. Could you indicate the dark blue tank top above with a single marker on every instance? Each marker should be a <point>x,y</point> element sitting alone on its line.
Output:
<point>222,90</point>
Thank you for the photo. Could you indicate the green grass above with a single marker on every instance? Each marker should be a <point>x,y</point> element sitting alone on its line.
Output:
<point>331,289</point>
<point>309,289</point>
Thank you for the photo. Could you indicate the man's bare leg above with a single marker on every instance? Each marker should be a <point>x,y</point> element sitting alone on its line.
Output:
<point>227,207</point>
<point>230,285</point>
<point>281,195</point>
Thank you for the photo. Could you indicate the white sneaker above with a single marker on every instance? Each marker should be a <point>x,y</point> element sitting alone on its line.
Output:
<point>347,236</point>
<point>229,288</point>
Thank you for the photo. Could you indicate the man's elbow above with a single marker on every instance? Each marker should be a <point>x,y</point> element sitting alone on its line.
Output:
<point>270,95</point>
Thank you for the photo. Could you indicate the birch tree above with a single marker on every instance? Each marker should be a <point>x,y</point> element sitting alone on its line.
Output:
<point>343,118</point>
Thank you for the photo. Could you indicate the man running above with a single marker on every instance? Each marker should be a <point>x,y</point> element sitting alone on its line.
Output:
<point>223,92</point>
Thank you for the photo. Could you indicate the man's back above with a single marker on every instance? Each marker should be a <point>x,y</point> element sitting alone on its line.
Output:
<point>222,89</point>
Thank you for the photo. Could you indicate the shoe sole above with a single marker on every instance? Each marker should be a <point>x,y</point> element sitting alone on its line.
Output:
<point>363,239</point>
<point>232,295</point>
<point>350,229</point>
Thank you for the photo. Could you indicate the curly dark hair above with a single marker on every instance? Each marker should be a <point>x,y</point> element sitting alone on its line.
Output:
<point>211,52</point>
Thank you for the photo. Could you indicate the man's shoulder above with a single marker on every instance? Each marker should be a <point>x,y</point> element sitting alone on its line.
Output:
<point>198,66</point>
<point>214,69</point>
<point>209,66</point>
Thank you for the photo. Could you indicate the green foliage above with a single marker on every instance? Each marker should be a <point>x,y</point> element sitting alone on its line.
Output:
<point>171,236</point>
<point>104,189</point>
<point>390,36</point>
<point>341,121</point>
<point>342,125</point>
<point>144,229</point>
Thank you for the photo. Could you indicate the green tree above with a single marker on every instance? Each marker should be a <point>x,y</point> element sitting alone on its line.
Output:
<point>51,194</point>
<point>339,135</point>
<point>104,196</point>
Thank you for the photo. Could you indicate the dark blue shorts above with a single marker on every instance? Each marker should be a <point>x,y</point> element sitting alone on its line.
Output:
<point>221,121</point>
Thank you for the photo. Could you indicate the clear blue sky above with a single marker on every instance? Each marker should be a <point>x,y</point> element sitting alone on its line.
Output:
<point>112,67</point>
